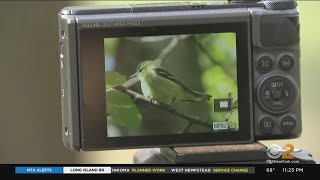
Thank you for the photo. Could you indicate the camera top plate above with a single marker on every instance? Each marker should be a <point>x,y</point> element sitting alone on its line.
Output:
<point>178,6</point>
<point>154,7</point>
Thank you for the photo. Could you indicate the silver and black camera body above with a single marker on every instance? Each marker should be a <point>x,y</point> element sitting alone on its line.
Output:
<point>202,74</point>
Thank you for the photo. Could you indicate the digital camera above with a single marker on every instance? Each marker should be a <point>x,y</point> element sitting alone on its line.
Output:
<point>179,74</point>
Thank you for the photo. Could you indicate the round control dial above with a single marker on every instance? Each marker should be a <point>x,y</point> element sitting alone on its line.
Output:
<point>276,94</point>
<point>280,4</point>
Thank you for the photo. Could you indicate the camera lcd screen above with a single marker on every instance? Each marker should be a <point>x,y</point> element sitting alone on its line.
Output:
<point>171,84</point>
<point>165,86</point>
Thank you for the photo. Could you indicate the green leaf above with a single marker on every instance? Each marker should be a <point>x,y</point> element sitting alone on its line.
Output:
<point>235,104</point>
<point>221,47</point>
<point>122,109</point>
<point>114,79</point>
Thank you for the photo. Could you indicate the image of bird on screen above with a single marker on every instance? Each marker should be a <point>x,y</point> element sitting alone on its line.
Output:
<point>171,84</point>
<point>160,85</point>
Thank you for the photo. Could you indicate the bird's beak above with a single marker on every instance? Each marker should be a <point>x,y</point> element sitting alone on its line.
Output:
<point>133,75</point>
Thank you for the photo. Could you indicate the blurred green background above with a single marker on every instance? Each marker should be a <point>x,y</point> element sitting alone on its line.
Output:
<point>30,129</point>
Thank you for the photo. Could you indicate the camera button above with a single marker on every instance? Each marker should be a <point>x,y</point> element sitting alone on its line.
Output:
<point>267,125</point>
<point>287,124</point>
<point>265,64</point>
<point>286,62</point>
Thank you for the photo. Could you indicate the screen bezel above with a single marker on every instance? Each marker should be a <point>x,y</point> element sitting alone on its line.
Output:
<point>92,89</point>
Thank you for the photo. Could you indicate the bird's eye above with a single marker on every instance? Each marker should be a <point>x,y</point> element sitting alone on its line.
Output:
<point>140,70</point>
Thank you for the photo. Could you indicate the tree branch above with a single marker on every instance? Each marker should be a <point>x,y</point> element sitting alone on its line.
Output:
<point>166,51</point>
<point>130,82</point>
<point>137,96</point>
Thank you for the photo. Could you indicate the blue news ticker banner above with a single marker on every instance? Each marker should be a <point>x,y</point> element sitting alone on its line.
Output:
<point>39,170</point>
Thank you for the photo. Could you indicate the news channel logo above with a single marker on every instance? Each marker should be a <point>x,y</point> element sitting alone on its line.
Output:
<point>284,153</point>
